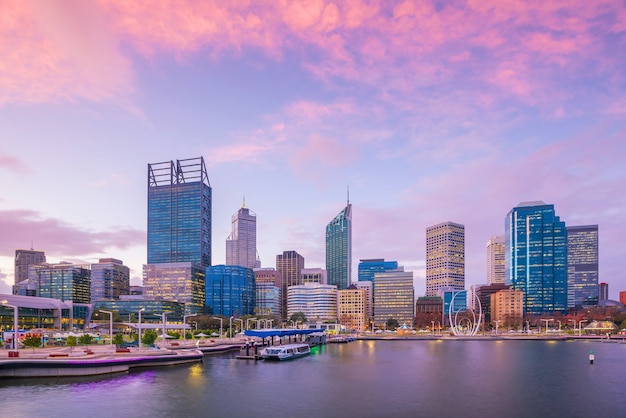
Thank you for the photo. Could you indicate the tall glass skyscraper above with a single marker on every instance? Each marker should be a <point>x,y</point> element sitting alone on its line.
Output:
<point>445,257</point>
<point>230,290</point>
<point>536,256</point>
<point>179,212</point>
<point>339,249</point>
<point>241,243</point>
<point>582,265</point>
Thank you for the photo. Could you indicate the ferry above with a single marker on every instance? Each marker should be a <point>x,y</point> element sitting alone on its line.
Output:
<point>285,352</point>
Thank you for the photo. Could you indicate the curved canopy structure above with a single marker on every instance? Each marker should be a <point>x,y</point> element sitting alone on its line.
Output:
<point>264,333</point>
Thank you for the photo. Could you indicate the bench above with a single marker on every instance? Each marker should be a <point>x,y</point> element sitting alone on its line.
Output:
<point>122,350</point>
<point>58,355</point>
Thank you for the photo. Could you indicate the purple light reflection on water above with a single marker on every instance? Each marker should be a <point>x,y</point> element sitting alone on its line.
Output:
<point>128,381</point>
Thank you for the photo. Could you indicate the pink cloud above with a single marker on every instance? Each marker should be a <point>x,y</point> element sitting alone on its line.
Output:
<point>20,228</point>
<point>11,163</point>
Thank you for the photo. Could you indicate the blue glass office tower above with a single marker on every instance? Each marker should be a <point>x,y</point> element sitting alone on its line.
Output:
<point>339,249</point>
<point>368,268</point>
<point>179,212</point>
<point>230,290</point>
<point>582,265</point>
<point>536,257</point>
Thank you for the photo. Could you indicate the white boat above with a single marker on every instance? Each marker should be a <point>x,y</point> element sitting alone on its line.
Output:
<point>285,352</point>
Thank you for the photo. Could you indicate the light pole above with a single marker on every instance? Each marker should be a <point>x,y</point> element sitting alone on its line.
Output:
<point>559,326</point>
<point>547,320</point>
<point>240,320</point>
<point>496,326</point>
<point>164,333</point>
<point>15,322</point>
<point>248,322</point>
<point>432,327</point>
<point>110,324</point>
<point>185,323</point>
<point>139,328</point>
<point>230,327</point>
<point>580,326</point>
<point>215,317</point>
<point>574,321</point>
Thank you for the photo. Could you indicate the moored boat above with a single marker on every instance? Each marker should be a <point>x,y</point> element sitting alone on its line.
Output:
<point>285,352</point>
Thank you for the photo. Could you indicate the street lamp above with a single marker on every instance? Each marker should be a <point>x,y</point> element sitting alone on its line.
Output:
<point>110,324</point>
<point>164,318</point>
<point>559,326</point>
<point>139,328</point>
<point>221,322</point>
<point>240,320</point>
<point>580,326</point>
<point>230,327</point>
<point>432,327</point>
<point>248,322</point>
<point>547,320</point>
<point>496,326</point>
<point>15,322</point>
<point>185,323</point>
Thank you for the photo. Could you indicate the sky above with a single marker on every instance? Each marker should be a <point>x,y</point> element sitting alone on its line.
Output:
<point>428,111</point>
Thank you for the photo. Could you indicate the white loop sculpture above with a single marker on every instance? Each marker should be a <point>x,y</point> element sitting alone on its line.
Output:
<point>473,325</point>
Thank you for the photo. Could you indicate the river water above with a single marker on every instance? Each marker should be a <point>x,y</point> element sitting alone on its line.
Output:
<point>444,378</point>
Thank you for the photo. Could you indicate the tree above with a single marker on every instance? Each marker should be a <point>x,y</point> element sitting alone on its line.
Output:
<point>392,324</point>
<point>298,316</point>
<point>32,341</point>
<point>71,342</point>
<point>149,337</point>
<point>85,339</point>
<point>118,340</point>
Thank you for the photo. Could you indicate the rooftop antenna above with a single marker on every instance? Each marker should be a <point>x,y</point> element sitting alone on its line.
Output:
<point>348,194</point>
<point>244,202</point>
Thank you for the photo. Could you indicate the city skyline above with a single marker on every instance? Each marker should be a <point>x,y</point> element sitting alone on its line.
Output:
<point>429,113</point>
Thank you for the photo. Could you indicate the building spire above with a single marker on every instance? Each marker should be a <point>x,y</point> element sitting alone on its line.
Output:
<point>244,202</point>
<point>348,202</point>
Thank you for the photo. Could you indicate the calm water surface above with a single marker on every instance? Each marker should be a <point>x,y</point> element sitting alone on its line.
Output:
<point>361,379</point>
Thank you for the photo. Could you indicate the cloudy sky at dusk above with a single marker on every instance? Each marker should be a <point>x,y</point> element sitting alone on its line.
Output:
<point>429,111</point>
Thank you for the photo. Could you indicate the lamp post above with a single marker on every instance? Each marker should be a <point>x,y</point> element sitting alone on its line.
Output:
<point>547,320</point>
<point>185,323</point>
<point>559,326</point>
<point>580,326</point>
<point>496,326</point>
<point>240,320</point>
<point>230,327</point>
<point>221,322</point>
<point>139,328</point>
<point>110,324</point>
<point>15,322</point>
<point>248,322</point>
<point>164,333</point>
<point>432,327</point>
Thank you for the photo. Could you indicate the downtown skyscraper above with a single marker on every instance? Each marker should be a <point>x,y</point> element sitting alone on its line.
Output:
<point>339,248</point>
<point>445,257</point>
<point>582,265</point>
<point>536,256</point>
<point>179,212</point>
<point>495,260</point>
<point>179,232</point>
<point>241,243</point>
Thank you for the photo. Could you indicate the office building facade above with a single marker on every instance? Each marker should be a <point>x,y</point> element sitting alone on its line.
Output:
<point>63,281</point>
<point>110,279</point>
<point>179,282</point>
<point>241,243</point>
<point>179,212</point>
<point>394,297</point>
<point>582,265</point>
<point>268,300</point>
<point>536,257</point>
<point>445,257</point>
<point>351,309</point>
<point>507,308</point>
<point>495,259</point>
<point>317,301</point>
<point>339,249</point>
<point>230,291</point>
<point>369,267</point>
<point>368,286</point>
<point>24,259</point>
<point>314,275</point>
<point>289,264</point>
